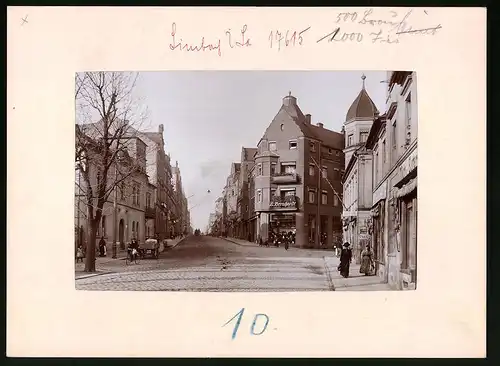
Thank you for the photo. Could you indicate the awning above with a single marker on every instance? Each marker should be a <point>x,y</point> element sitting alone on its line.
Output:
<point>406,189</point>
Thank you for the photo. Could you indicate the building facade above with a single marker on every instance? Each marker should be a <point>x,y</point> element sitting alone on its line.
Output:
<point>123,213</point>
<point>290,183</point>
<point>357,181</point>
<point>393,140</point>
<point>243,203</point>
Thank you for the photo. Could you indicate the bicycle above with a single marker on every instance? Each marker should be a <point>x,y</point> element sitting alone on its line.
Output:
<point>133,257</point>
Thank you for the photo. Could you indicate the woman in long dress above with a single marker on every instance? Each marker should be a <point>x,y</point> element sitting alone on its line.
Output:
<point>366,261</point>
<point>345,260</point>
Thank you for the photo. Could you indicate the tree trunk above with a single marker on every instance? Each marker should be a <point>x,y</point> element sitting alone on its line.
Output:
<point>90,255</point>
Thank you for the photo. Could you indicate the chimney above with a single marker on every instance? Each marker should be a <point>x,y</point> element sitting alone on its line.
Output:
<point>320,125</point>
<point>308,118</point>
<point>160,129</point>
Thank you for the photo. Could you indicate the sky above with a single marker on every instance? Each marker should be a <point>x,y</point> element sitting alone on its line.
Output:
<point>208,116</point>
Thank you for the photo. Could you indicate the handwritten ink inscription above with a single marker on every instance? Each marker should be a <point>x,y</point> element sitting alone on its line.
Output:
<point>244,42</point>
<point>201,46</point>
<point>387,27</point>
<point>278,39</point>
<point>259,324</point>
<point>371,25</point>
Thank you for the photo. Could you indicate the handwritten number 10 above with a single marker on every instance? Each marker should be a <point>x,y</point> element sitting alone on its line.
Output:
<point>239,316</point>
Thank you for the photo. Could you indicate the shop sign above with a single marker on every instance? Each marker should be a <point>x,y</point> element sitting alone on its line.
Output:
<point>380,193</point>
<point>286,203</point>
<point>408,165</point>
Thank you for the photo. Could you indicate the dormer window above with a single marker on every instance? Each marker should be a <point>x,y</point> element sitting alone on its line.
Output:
<point>292,144</point>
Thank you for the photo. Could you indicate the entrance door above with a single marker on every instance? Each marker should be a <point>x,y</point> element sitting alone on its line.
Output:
<point>376,242</point>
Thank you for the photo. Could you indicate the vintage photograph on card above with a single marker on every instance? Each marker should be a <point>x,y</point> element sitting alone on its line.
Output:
<point>246,181</point>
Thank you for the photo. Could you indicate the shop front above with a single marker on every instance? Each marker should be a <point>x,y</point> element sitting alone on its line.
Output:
<point>403,201</point>
<point>377,230</point>
<point>282,215</point>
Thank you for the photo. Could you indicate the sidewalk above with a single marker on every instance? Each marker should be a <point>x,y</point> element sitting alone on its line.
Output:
<point>101,262</point>
<point>356,281</point>
<point>251,244</point>
<point>240,241</point>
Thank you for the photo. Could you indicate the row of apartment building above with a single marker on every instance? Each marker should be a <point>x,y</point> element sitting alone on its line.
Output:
<point>148,203</point>
<point>289,182</point>
<point>380,183</point>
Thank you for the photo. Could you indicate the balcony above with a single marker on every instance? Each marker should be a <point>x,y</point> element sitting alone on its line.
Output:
<point>286,203</point>
<point>150,213</point>
<point>284,178</point>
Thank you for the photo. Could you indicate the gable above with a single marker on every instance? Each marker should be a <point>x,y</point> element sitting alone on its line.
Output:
<point>290,127</point>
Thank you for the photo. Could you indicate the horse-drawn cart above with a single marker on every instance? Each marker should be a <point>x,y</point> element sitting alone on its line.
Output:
<point>151,248</point>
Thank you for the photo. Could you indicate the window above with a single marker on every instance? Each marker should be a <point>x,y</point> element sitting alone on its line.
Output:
<point>350,139</point>
<point>330,151</point>
<point>273,168</point>
<point>376,167</point>
<point>282,127</point>
<point>287,192</point>
<point>273,192</point>
<point>408,110</point>
<point>133,197</point>
<point>259,195</point>
<point>324,198</point>
<point>122,190</point>
<point>313,146</point>
<point>133,229</point>
<point>324,172</point>
<point>408,118</point>
<point>272,146</point>
<point>148,200</point>
<point>383,153</point>
<point>335,200</point>
<point>311,170</point>
<point>138,196</point>
<point>288,169</point>
<point>394,136</point>
<point>292,144</point>
<point>259,169</point>
<point>103,223</point>
<point>363,136</point>
<point>312,194</point>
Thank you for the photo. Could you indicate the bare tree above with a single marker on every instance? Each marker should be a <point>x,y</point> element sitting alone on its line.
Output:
<point>103,156</point>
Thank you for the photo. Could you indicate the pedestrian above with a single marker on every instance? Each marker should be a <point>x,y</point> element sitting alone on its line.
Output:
<point>102,247</point>
<point>79,254</point>
<point>287,241</point>
<point>366,261</point>
<point>345,260</point>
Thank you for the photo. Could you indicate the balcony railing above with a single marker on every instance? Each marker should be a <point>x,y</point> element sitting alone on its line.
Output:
<point>279,203</point>
<point>150,213</point>
<point>283,178</point>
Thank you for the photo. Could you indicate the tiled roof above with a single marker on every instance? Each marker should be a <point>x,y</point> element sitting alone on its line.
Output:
<point>326,136</point>
<point>249,153</point>
<point>154,136</point>
<point>329,137</point>
<point>362,107</point>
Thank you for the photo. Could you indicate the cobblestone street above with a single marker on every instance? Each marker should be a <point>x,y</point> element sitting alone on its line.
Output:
<point>204,263</point>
